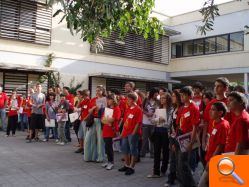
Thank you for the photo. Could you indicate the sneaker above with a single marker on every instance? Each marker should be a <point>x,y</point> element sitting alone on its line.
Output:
<point>110,166</point>
<point>58,143</point>
<point>7,135</point>
<point>123,169</point>
<point>166,185</point>
<point>104,165</point>
<point>57,140</point>
<point>13,135</point>
<point>62,143</point>
<point>28,141</point>
<point>80,150</point>
<point>153,176</point>
<point>45,140</point>
<point>129,171</point>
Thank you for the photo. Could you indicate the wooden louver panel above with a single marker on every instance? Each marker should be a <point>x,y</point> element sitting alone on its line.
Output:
<point>136,47</point>
<point>25,20</point>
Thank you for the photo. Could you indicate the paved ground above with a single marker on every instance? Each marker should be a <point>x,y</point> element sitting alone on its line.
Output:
<point>48,164</point>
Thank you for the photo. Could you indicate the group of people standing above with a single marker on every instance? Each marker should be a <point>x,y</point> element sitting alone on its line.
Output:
<point>178,129</point>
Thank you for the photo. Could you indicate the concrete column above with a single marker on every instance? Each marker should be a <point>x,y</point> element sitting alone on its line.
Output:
<point>170,86</point>
<point>246,82</point>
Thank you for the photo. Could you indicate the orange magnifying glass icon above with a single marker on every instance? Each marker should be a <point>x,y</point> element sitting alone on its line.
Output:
<point>226,167</point>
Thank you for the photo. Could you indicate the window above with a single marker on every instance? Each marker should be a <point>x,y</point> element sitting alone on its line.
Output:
<point>210,45</point>
<point>176,50</point>
<point>237,41</point>
<point>199,47</point>
<point>188,48</point>
<point>25,20</point>
<point>222,43</point>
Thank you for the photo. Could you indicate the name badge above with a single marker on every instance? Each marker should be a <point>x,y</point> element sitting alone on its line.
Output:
<point>186,114</point>
<point>214,131</point>
<point>130,116</point>
<point>85,106</point>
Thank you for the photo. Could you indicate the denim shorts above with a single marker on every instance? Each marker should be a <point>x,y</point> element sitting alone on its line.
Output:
<point>81,130</point>
<point>130,145</point>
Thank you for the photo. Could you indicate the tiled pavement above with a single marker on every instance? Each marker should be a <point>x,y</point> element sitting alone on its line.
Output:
<point>48,164</point>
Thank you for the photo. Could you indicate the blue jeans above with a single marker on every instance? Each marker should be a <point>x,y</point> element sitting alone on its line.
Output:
<point>130,145</point>
<point>23,121</point>
<point>3,118</point>
<point>47,131</point>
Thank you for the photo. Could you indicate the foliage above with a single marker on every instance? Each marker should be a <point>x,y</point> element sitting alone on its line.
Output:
<point>74,86</point>
<point>52,77</point>
<point>94,19</point>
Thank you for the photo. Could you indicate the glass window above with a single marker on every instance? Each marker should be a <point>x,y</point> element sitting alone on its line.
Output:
<point>198,47</point>
<point>237,41</point>
<point>188,48</point>
<point>210,45</point>
<point>176,50</point>
<point>222,43</point>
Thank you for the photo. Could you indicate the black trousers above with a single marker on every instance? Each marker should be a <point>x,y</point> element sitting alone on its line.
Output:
<point>109,149</point>
<point>161,146</point>
<point>12,124</point>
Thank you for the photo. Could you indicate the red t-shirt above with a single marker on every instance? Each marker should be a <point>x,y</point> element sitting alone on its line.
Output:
<point>188,117</point>
<point>13,112</point>
<point>91,104</point>
<point>133,116</point>
<point>84,108</point>
<point>238,132</point>
<point>217,133</point>
<point>198,101</point>
<point>26,104</point>
<point>110,131</point>
<point>70,99</point>
<point>3,99</point>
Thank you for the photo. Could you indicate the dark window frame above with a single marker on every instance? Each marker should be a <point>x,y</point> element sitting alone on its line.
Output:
<point>204,43</point>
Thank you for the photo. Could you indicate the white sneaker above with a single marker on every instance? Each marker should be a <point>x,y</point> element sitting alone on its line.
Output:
<point>45,140</point>
<point>104,165</point>
<point>62,143</point>
<point>109,166</point>
<point>56,141</point>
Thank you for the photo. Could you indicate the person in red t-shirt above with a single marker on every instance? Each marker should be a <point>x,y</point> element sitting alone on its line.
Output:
<point>83,109</point>
<point>70,99</point>
<point>13,105</point>
<point>220,88</point>
<point>217,132</point>
<point>188,120</point>
<point>238,138</point>
<point>130,134</point>
<point>3,105</point>
<point>197,98</point>
<point>110,128</point>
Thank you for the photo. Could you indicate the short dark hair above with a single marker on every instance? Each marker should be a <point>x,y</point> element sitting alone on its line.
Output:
<point>62,95</point>
<point>223,80</point>
<point>84,92</point>
<point>152,92</point>
<point>132,96</point>
<point>52,94</point>
<point>187,90</point>
<point>220,106</point>
<point>209,95</point>
<point>240,98</point>
<point>240,89</point>
<point>66,87</point>
<point>198,85</point>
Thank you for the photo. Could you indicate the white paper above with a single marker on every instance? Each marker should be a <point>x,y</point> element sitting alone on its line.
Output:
<point>101,102</point>
<point>108,112</point>
<point>50,123</point>
<point>74,116</point>
<point>21,110</point>
<point>161,113</point>
<point>62,117</point>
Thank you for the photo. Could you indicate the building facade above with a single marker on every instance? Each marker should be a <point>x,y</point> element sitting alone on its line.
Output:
<point>28,33</point>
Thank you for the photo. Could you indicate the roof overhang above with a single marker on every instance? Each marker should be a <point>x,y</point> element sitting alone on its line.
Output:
<point>30,68</point>
<point>131,77</point>
<point>170,32</point>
